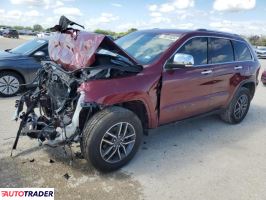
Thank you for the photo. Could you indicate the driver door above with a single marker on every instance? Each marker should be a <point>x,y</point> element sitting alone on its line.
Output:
<point>187,89</point>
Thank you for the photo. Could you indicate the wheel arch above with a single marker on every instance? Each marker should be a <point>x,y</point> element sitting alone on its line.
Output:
<point>139,108</point>
<point>14,71</point>
<point>251,86</point>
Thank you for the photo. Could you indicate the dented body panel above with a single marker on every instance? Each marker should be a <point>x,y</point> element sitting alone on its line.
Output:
<point>141,87</point>
<point>76,49</point>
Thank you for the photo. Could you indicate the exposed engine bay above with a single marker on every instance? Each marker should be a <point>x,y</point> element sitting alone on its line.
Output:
<point>54,112</point>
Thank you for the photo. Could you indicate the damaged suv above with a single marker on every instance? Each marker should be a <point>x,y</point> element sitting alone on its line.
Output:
<point>106,94</point>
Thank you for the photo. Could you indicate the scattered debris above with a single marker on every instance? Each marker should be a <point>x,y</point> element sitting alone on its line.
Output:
<point>66,176</point>
<point>79,155</point>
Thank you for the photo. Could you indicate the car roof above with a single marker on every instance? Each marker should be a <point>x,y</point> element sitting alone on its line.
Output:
<point>200,32</point>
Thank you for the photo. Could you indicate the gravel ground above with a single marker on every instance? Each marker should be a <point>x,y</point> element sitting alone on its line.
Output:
<point>201,159</point>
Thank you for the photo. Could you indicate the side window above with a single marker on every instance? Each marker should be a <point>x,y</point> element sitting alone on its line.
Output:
<point>220,50</point>
<point>45,50</point>
<point>242,52</point>
<point>197,47</point>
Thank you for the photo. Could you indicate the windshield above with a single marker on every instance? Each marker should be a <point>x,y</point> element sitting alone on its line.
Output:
<point>28,47</point>
<point>145,47</point>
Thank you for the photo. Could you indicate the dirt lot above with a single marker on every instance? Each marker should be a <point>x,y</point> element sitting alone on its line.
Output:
<point>201,159</point>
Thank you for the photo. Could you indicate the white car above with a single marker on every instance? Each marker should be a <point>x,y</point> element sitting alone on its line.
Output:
<point>261,51</point>
<point>43,34</point>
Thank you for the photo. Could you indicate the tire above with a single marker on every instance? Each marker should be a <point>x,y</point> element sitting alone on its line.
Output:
<point>14,86</point>
<point>234,114</point>
<point>99,147</point>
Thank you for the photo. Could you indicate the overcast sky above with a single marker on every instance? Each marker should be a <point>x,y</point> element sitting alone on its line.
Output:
<point>239,16</point>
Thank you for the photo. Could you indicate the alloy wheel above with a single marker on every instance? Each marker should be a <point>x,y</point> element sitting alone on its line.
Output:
<point>117,142</point>
<point>241,106</point>
<point>9,85</point>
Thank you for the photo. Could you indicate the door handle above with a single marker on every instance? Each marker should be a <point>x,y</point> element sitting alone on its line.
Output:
<point>205,72</point>
<point>238,67</point>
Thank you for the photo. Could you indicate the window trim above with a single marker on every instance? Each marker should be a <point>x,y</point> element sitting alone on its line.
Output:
<point>210,64</point>
<point>236,57</point>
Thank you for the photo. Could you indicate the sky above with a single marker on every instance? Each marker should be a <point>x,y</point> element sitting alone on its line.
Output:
<point>247,17</point>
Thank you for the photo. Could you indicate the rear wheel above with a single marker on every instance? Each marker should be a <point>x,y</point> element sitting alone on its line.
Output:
<point>238,108</point>
<point>10,84</point>
<point>111,138</point>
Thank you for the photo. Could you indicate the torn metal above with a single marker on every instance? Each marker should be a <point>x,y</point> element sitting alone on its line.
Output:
<point>55,111</point>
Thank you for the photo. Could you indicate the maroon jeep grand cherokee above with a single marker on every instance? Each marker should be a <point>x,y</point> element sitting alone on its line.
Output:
<point>105,94</point>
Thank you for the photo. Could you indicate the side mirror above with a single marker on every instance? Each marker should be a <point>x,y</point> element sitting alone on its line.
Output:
<point>39,54</point>
<point>181,60</point>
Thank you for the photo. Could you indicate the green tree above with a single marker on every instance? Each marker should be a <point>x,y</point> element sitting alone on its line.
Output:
<point>105,32</point>
<point>18,27</point>
<point>37,27</point>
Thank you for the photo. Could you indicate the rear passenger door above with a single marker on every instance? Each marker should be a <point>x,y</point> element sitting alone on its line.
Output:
<point>229,59</point>
<point>221,57</point>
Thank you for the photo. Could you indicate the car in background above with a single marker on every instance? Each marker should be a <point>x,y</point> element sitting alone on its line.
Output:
<point>260,51</point>
<point>43,34</point>
<point>11,33</point>
<point>18,66</point>
<point>263,78</point>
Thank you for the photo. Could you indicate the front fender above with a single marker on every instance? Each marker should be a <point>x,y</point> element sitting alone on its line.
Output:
<point>132,88</point>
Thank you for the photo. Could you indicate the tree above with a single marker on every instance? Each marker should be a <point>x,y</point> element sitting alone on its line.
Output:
<point>254,40</point>
<point>37,27</point>
<point>18,27</point>
<point>105,32</point>
<point>132,30</point>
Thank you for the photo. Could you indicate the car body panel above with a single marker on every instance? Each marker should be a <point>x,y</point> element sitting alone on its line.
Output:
<point>78,51</point>
<point>185,92</point>
<point>141,87</point>
<point>263,77</point>
<point>24,65</point>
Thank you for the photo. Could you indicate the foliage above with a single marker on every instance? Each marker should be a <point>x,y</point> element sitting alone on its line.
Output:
<point>257,40</point>
<point>37,27</point>
<point>114,34</point>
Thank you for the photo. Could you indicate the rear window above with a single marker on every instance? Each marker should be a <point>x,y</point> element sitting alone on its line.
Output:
<point>220,50</point>
<point>242,52</point>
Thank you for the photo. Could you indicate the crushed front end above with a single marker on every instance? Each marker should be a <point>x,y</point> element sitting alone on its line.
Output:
<point>55,111</point>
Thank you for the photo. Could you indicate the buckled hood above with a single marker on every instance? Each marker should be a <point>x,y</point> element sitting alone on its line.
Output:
<point>76,49</point>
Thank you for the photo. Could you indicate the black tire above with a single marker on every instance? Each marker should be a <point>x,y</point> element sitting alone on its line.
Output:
<point>12,91</point>
<point>95,133</point>
<point>230,115</point>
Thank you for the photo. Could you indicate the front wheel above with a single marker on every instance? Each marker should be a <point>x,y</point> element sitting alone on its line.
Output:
<point>238,108</point>
<point>10,84</point>
<point>111,138</point>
